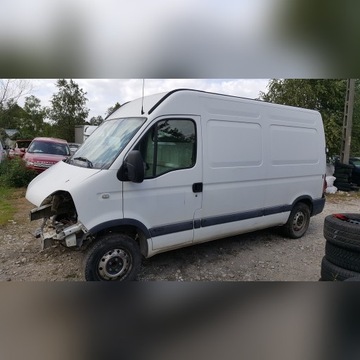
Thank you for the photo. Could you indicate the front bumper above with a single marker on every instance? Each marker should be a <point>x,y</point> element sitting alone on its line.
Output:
<point>69,236</point>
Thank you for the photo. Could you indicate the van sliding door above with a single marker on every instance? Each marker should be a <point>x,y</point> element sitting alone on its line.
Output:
<point>233,173</point>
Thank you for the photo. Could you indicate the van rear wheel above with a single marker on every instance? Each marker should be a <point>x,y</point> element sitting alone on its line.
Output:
<point>113,257</point>
<point>298,222</point>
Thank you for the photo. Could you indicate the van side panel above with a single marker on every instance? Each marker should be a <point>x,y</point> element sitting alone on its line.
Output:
<point>295,157</point>
<point>234,168</point>
<point>258,159</point>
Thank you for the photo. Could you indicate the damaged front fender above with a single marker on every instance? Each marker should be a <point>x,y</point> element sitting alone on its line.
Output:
<point>60,222</point>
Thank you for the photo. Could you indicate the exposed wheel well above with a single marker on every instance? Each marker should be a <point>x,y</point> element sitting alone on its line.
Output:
<point>130,230</point>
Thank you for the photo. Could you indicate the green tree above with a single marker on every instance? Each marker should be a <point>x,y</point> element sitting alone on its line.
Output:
<point>33,123</point>
<point>96,120</point>
<point>11,90</point>
<point>112,109</point>
<point>11,118</point>
<point>325,95</point>
<point>48,130</point>
<point>68,108</point>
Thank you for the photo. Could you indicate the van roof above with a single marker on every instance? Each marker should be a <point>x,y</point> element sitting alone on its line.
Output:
<point>149,104</point>
<point>166,95</point>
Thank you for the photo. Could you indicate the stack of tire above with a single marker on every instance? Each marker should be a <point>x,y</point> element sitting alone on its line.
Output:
<point>343,174</point>
<point>342,250</point>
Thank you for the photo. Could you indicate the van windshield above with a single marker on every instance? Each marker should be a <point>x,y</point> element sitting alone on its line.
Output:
<point>103,146</point>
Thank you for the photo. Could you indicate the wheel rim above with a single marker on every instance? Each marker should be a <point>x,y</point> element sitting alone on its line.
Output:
<point>114,264</point>
<point>299,222</point>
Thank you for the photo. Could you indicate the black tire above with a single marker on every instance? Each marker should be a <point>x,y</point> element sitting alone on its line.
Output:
<point>342,178</point>
<point>343,233</point>
<point>336,222</point>
<point>342,172</point>
<point>113,257</point>
<point>342,186</point>
<point>355,278</point>
<point>339,165</point>
<point>331,272</point>
<point>343,258</point>
<point>343,239</point>
<point>298,221</point>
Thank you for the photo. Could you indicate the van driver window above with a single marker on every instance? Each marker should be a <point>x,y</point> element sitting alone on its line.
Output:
<point>169,145</point>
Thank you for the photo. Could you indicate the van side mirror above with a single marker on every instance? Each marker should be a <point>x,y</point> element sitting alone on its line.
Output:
<point>133,168</point>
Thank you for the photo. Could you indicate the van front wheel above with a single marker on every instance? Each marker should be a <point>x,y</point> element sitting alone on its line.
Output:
<point>113,257</point>
<point>298,222</point>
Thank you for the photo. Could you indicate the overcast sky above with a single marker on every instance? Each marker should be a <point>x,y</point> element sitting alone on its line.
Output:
<point>104,93</point>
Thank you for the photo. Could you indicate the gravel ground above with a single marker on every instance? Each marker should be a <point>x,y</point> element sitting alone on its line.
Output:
<point>260,256</point>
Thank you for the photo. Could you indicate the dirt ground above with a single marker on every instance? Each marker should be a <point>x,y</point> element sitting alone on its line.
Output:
<point>260,256</point>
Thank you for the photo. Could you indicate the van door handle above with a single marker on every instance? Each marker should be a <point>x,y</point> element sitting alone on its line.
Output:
<point>197,187</point>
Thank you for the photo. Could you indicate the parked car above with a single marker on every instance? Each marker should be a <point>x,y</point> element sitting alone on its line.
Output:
<point>44,152</point>
<point>19,149</point>
<point>73,147</point>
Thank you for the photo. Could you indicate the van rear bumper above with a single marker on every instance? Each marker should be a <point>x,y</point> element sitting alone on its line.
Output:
<point>318,206</point>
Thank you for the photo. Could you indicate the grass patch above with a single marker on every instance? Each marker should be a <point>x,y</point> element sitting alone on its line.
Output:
<point>7,209</point>
<point>8,200</point>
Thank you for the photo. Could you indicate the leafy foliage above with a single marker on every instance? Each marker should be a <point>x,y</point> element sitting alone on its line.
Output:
<point>13,173</point>
<point>112,109</point>
<point>68,109</point>
<point>96,120</point>
<point>32,124</point>
<point>11,117</point>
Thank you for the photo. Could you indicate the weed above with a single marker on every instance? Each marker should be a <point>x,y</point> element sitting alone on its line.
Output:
<point>13,173</point>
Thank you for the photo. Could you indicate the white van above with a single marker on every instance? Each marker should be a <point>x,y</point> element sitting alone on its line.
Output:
<point>181,168</point>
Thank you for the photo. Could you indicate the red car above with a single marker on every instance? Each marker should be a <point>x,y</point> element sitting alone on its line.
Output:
<point>19,149</point>
<point>44,152</point>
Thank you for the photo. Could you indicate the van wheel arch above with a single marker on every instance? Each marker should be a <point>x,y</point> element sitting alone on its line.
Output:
<point>307,200</point>
<point>299,219</point>
<point>135,233</point>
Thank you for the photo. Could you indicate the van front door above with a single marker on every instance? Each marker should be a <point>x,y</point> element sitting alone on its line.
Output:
<point>166,201</point>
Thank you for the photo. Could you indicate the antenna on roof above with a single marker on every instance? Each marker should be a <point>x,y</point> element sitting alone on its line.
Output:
<point>142,103</point>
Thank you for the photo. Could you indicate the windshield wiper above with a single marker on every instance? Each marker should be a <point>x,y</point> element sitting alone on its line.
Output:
<point>89,163</point>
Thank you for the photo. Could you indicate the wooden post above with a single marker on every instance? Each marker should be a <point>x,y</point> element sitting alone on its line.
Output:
<point>347,123</point>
